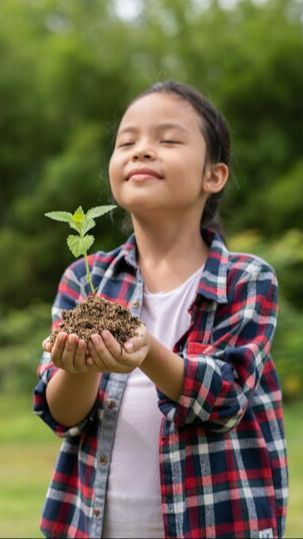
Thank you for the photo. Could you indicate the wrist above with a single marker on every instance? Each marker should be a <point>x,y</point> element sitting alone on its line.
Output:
<point>152,347</point>
<point>164,368</point>
<point>78,377</point>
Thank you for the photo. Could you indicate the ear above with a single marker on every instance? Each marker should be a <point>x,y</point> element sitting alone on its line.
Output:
<point>215,178</point>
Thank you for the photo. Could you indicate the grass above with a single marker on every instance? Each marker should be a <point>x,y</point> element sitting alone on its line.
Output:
<point>294,435</point>
<point>27,454</point>
<point>28,451</point>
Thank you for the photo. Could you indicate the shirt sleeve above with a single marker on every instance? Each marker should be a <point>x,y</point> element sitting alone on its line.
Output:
<point>70,292</point>
<point>220,377</point>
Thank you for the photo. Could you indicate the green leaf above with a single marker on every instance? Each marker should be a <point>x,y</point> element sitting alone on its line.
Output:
<point>63,216</point>
<point>79,216</point>
<point>88,224</point>
<point>93,213</point>
<point>76,227</point>
<point>79,246</point>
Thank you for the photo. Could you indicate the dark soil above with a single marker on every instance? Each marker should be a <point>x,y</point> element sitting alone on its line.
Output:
<point>95,314</point>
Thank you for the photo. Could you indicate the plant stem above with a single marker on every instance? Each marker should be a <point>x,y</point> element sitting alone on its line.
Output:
<point>88,274</point>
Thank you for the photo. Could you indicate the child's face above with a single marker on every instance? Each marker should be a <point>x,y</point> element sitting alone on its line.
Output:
<point>159,157</point>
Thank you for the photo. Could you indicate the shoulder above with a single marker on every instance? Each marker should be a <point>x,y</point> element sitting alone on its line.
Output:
<point>249,266</point>
<point>236,264</point>
<point>250,276</point>
<point>229,274</point>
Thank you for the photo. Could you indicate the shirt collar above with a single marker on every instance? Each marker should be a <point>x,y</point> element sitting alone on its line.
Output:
<point>129,252</point>
<point>213,283</point>
<point>213,280</point>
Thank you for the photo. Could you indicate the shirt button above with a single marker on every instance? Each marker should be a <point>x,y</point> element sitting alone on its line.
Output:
<point>97,512</point>
<point>103,459</point>
<point>111,404</point>
<point>136,304</point>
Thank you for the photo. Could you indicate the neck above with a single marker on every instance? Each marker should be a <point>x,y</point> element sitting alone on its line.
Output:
<point>169,252</point>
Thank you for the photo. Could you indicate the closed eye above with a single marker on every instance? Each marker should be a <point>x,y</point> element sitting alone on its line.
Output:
<point>125,144</point>
<point>167,141</point>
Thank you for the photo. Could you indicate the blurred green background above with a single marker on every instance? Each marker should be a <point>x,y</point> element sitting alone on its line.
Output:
<point>68,68</point>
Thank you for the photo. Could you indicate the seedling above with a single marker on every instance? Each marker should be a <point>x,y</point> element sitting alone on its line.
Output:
<point>82,223</point>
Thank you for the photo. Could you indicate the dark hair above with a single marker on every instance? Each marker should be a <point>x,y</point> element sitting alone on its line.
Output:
<point>215,132</point>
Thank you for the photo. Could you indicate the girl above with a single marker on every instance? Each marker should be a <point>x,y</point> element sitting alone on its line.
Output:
<point>180,433</point>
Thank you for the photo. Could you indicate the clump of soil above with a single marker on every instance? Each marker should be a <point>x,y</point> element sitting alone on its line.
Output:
<point>95,314</point>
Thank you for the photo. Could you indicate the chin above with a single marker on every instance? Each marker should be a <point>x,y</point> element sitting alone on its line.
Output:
<point>137,203</point>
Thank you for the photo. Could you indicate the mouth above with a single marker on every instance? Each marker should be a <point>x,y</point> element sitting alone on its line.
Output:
<point>143,173</point>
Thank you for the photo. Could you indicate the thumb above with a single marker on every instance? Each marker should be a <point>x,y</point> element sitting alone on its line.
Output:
<point>47,345</point>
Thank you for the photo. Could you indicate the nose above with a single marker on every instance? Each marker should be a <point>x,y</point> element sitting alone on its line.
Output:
<point>143,154</point>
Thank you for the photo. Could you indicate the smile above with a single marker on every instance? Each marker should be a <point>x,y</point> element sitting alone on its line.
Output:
<point>143,173</point>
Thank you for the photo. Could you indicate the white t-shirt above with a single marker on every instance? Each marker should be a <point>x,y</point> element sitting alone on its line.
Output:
<point>133,499</point>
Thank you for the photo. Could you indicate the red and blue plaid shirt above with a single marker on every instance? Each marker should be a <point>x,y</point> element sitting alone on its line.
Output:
<point>222,449</point>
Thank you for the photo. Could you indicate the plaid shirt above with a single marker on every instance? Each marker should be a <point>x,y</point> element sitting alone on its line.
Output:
<point>222,449</point>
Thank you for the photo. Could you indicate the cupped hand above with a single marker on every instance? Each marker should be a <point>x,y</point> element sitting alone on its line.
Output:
<point>110,356</point>
<point>68,352</point>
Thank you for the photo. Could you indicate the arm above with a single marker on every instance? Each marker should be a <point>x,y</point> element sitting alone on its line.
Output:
<point>62,398</point>
<point>71,394</point>
<point>164,368</point>
<point>70,397</point>
<point>220,377</point>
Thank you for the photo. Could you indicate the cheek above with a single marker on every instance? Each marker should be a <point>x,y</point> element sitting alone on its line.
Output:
<point>114,170</point>
<point>115,174</point>
<point>111,165</point>
<point>190,167</point>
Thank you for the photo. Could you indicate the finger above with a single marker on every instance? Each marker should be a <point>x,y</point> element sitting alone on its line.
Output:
<point>58,347</point>
<point>138,341</point>
<point>120,359</point>
<point>91,365</point>
<point>100,354</point>
<point>109,353</point>
<point>79,356</point>
<point>134,344</point>
<point>111,345</point>
<point>89,361</point>
<point>47,345</point>
<point>68,354</point>
<point>131,346</point>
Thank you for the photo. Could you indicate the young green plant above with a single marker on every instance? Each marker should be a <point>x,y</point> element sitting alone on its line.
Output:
<point>82,223</point>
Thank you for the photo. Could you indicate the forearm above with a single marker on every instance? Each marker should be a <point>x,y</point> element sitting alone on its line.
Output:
<point>165,369</point>
<point>71,396</point>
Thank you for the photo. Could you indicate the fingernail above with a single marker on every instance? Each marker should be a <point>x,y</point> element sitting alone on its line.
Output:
<point>129,346</point>
<point>95,339</point>
<point>105,334</point>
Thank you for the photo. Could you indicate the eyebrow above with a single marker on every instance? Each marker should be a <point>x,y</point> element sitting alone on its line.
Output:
<point>159,127</point>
